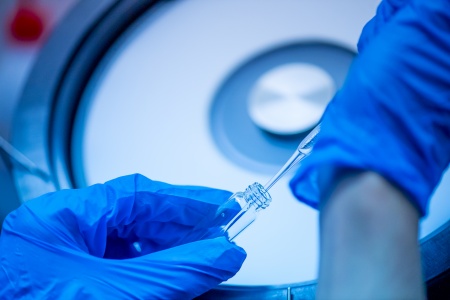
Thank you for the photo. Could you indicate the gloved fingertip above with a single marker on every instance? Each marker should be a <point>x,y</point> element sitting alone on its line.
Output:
<point>225,254</point>
<point>188,270</point>
<point>226,244</point>
<point>304,187</point>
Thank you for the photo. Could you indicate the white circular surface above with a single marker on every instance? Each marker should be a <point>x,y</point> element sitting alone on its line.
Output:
<point>291,98</point>
<point>147,112</point>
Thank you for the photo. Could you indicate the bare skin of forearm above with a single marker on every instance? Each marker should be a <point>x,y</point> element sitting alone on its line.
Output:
<point>369,241</point>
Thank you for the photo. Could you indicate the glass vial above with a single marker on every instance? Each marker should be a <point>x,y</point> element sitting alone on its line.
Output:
<point>233,216</point>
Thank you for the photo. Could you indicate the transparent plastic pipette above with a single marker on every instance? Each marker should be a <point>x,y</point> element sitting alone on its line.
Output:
<point>300,153</point>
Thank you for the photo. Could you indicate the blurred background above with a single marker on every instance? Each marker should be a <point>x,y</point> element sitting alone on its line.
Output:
<point>215,93</point>
<point>25,26</point>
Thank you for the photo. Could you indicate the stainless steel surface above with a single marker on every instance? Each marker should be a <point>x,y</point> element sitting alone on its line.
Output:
<point>69,62</point>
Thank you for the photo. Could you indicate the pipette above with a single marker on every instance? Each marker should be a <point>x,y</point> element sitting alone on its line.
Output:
<point>302,151</point>
<point>241,209</point>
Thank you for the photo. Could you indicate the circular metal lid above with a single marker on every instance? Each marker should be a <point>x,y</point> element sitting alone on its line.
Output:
<point>47,124</point>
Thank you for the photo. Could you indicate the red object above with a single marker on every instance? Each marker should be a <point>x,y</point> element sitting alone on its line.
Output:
<point>27,23</point>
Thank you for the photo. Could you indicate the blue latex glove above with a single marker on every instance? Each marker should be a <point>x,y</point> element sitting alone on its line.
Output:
<point>79,244</point>
<point>392,115</point>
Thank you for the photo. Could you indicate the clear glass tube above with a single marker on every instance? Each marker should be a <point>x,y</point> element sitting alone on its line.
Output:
<point>233,216</point>
<point>241,209</point>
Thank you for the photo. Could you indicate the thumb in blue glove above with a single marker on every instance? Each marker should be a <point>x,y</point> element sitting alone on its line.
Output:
<point>114,241</point>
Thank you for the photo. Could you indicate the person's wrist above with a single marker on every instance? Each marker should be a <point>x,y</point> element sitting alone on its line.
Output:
<point>368,240</point>
<point>368,186</point>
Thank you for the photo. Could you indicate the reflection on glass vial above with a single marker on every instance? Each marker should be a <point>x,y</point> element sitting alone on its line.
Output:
<point>233,216</point>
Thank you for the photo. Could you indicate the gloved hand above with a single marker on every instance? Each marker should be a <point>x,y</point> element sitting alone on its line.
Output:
<point>392,115</point>
<point>113,241</point>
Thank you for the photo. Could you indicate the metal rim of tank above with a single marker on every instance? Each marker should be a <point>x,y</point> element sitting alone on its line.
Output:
<point>43,124</point>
